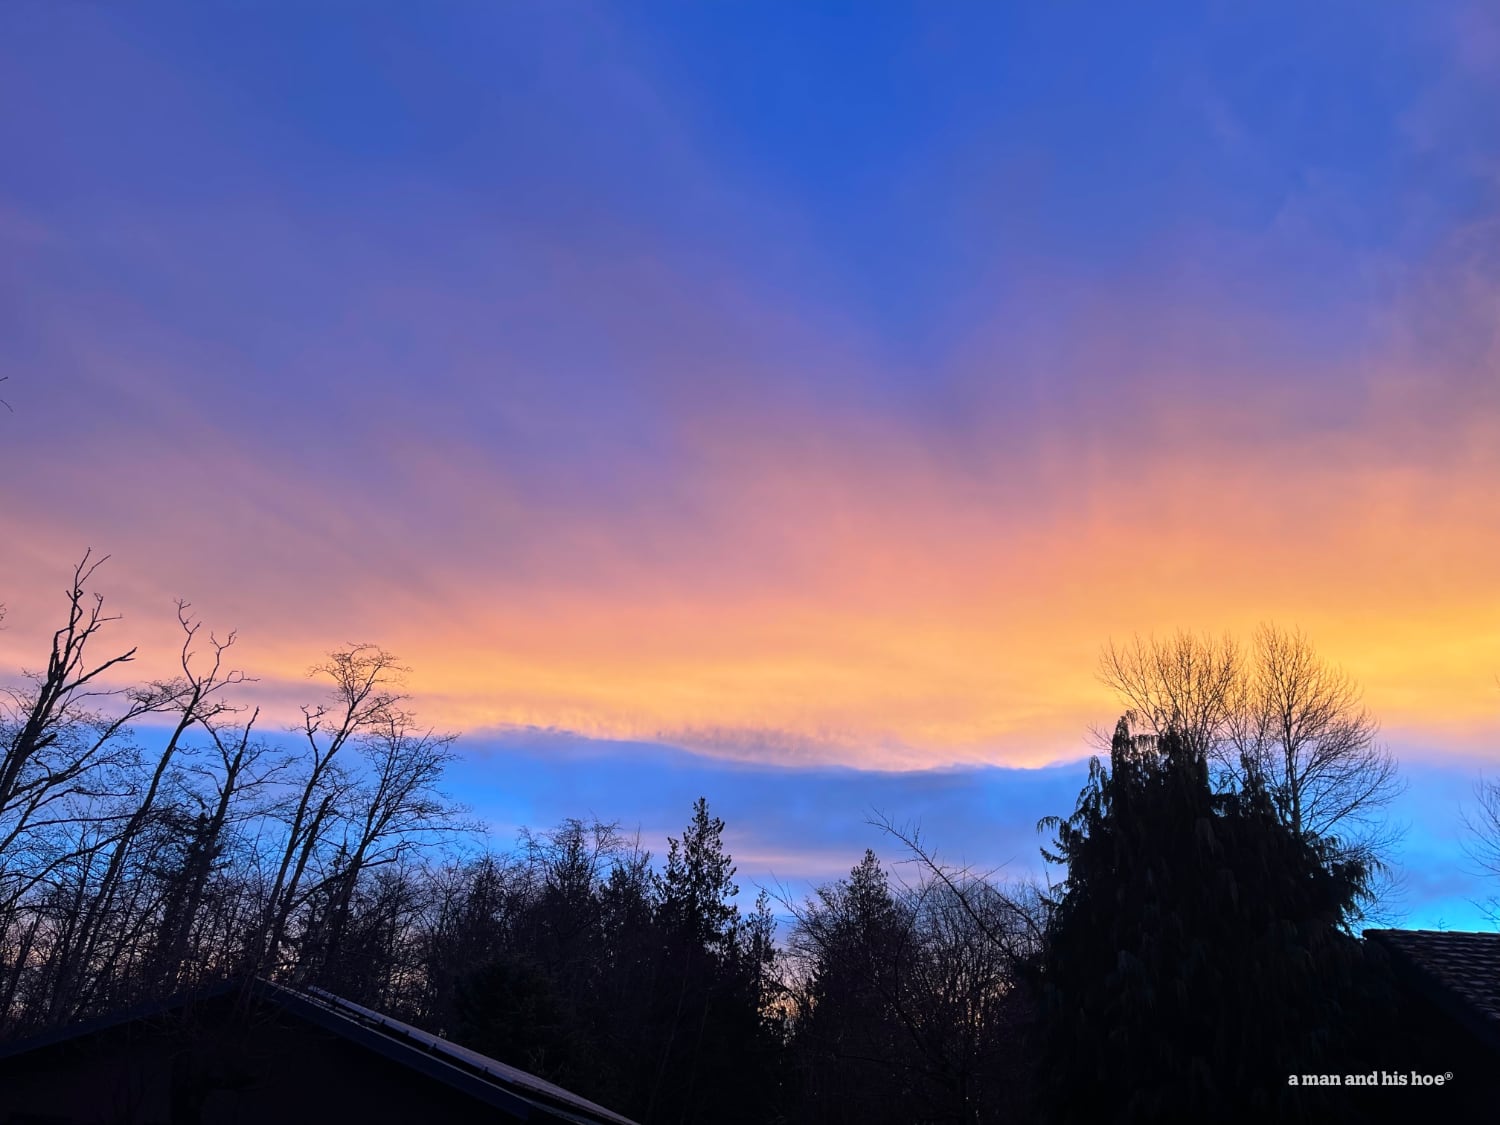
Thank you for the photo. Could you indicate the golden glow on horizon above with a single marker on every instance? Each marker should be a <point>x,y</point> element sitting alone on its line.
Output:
<point>620,436</point>
<point>868,608</point>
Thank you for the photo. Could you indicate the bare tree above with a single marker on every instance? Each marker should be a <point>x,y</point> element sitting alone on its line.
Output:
<point>224,785</point>
<point>1483,836</point>
<point>1281,717</point>
<point>1186,683</point>
<point>396,808</point>
<point>907,998</point>
<point>60,738</point>
<point>1303,730</point>
<point>139,858</point>
<point>1012,917</point>
<point>363,701</point>
<point>194,698</point>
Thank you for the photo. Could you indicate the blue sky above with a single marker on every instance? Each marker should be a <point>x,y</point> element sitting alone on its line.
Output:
<point>809,388</point>
<point>792,829</point>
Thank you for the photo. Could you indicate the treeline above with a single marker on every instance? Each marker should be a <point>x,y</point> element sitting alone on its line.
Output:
<point>153,840</point>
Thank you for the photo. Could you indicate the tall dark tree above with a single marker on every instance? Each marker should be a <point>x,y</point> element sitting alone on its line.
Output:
<point>1198,953</point>
<point>854,943</point>
<point>696,890</point>
<point>909,1001</point>
<point>712,1043</point>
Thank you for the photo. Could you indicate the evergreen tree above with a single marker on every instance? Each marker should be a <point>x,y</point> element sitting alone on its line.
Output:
<point>695,893</point>
<point>1199,952</point>
<point>712,1043</point>
<point>853,1051</point>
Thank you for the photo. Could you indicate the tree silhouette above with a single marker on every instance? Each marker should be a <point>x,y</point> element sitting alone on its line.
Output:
<point>1278,718</point>
<point>1197,954</point>
<point>909,1006</point>
<point>363,701</point>
<point>644,990</point>
<point>1482,839</point>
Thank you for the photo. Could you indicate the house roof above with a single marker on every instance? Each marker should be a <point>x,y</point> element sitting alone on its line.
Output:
<point>1459,970</point>
<point>529,1086</point>
<point>490,1081</point>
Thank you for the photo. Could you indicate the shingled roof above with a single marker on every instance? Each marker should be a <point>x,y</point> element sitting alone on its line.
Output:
<point>1459,970</point>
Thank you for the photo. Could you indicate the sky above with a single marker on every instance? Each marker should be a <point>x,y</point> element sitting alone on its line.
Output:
<point>778,402</point>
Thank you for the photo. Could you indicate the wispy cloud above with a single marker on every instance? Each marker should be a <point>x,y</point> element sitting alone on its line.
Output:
<point>562,381</point>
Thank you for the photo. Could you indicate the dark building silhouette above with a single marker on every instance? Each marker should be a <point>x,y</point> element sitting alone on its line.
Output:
<point>1448,1011</point>
<point>256,1051</point>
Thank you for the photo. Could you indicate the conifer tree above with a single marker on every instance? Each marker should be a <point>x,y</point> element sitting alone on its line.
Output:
<point>1199,951</point>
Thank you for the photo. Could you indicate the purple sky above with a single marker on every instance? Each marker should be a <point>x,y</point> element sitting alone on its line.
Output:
<point>781,403</point>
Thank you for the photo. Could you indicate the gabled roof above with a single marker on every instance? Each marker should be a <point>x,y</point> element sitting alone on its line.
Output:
<point>533,1089</point>
<point>488,1080</point>
<point>1459,970</point>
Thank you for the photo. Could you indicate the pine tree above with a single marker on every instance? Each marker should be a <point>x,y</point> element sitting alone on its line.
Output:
<point>696,891</point>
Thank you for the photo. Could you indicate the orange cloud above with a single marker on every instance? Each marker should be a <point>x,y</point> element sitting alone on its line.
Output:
<point>806,578</point>
<point>850,601</point>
